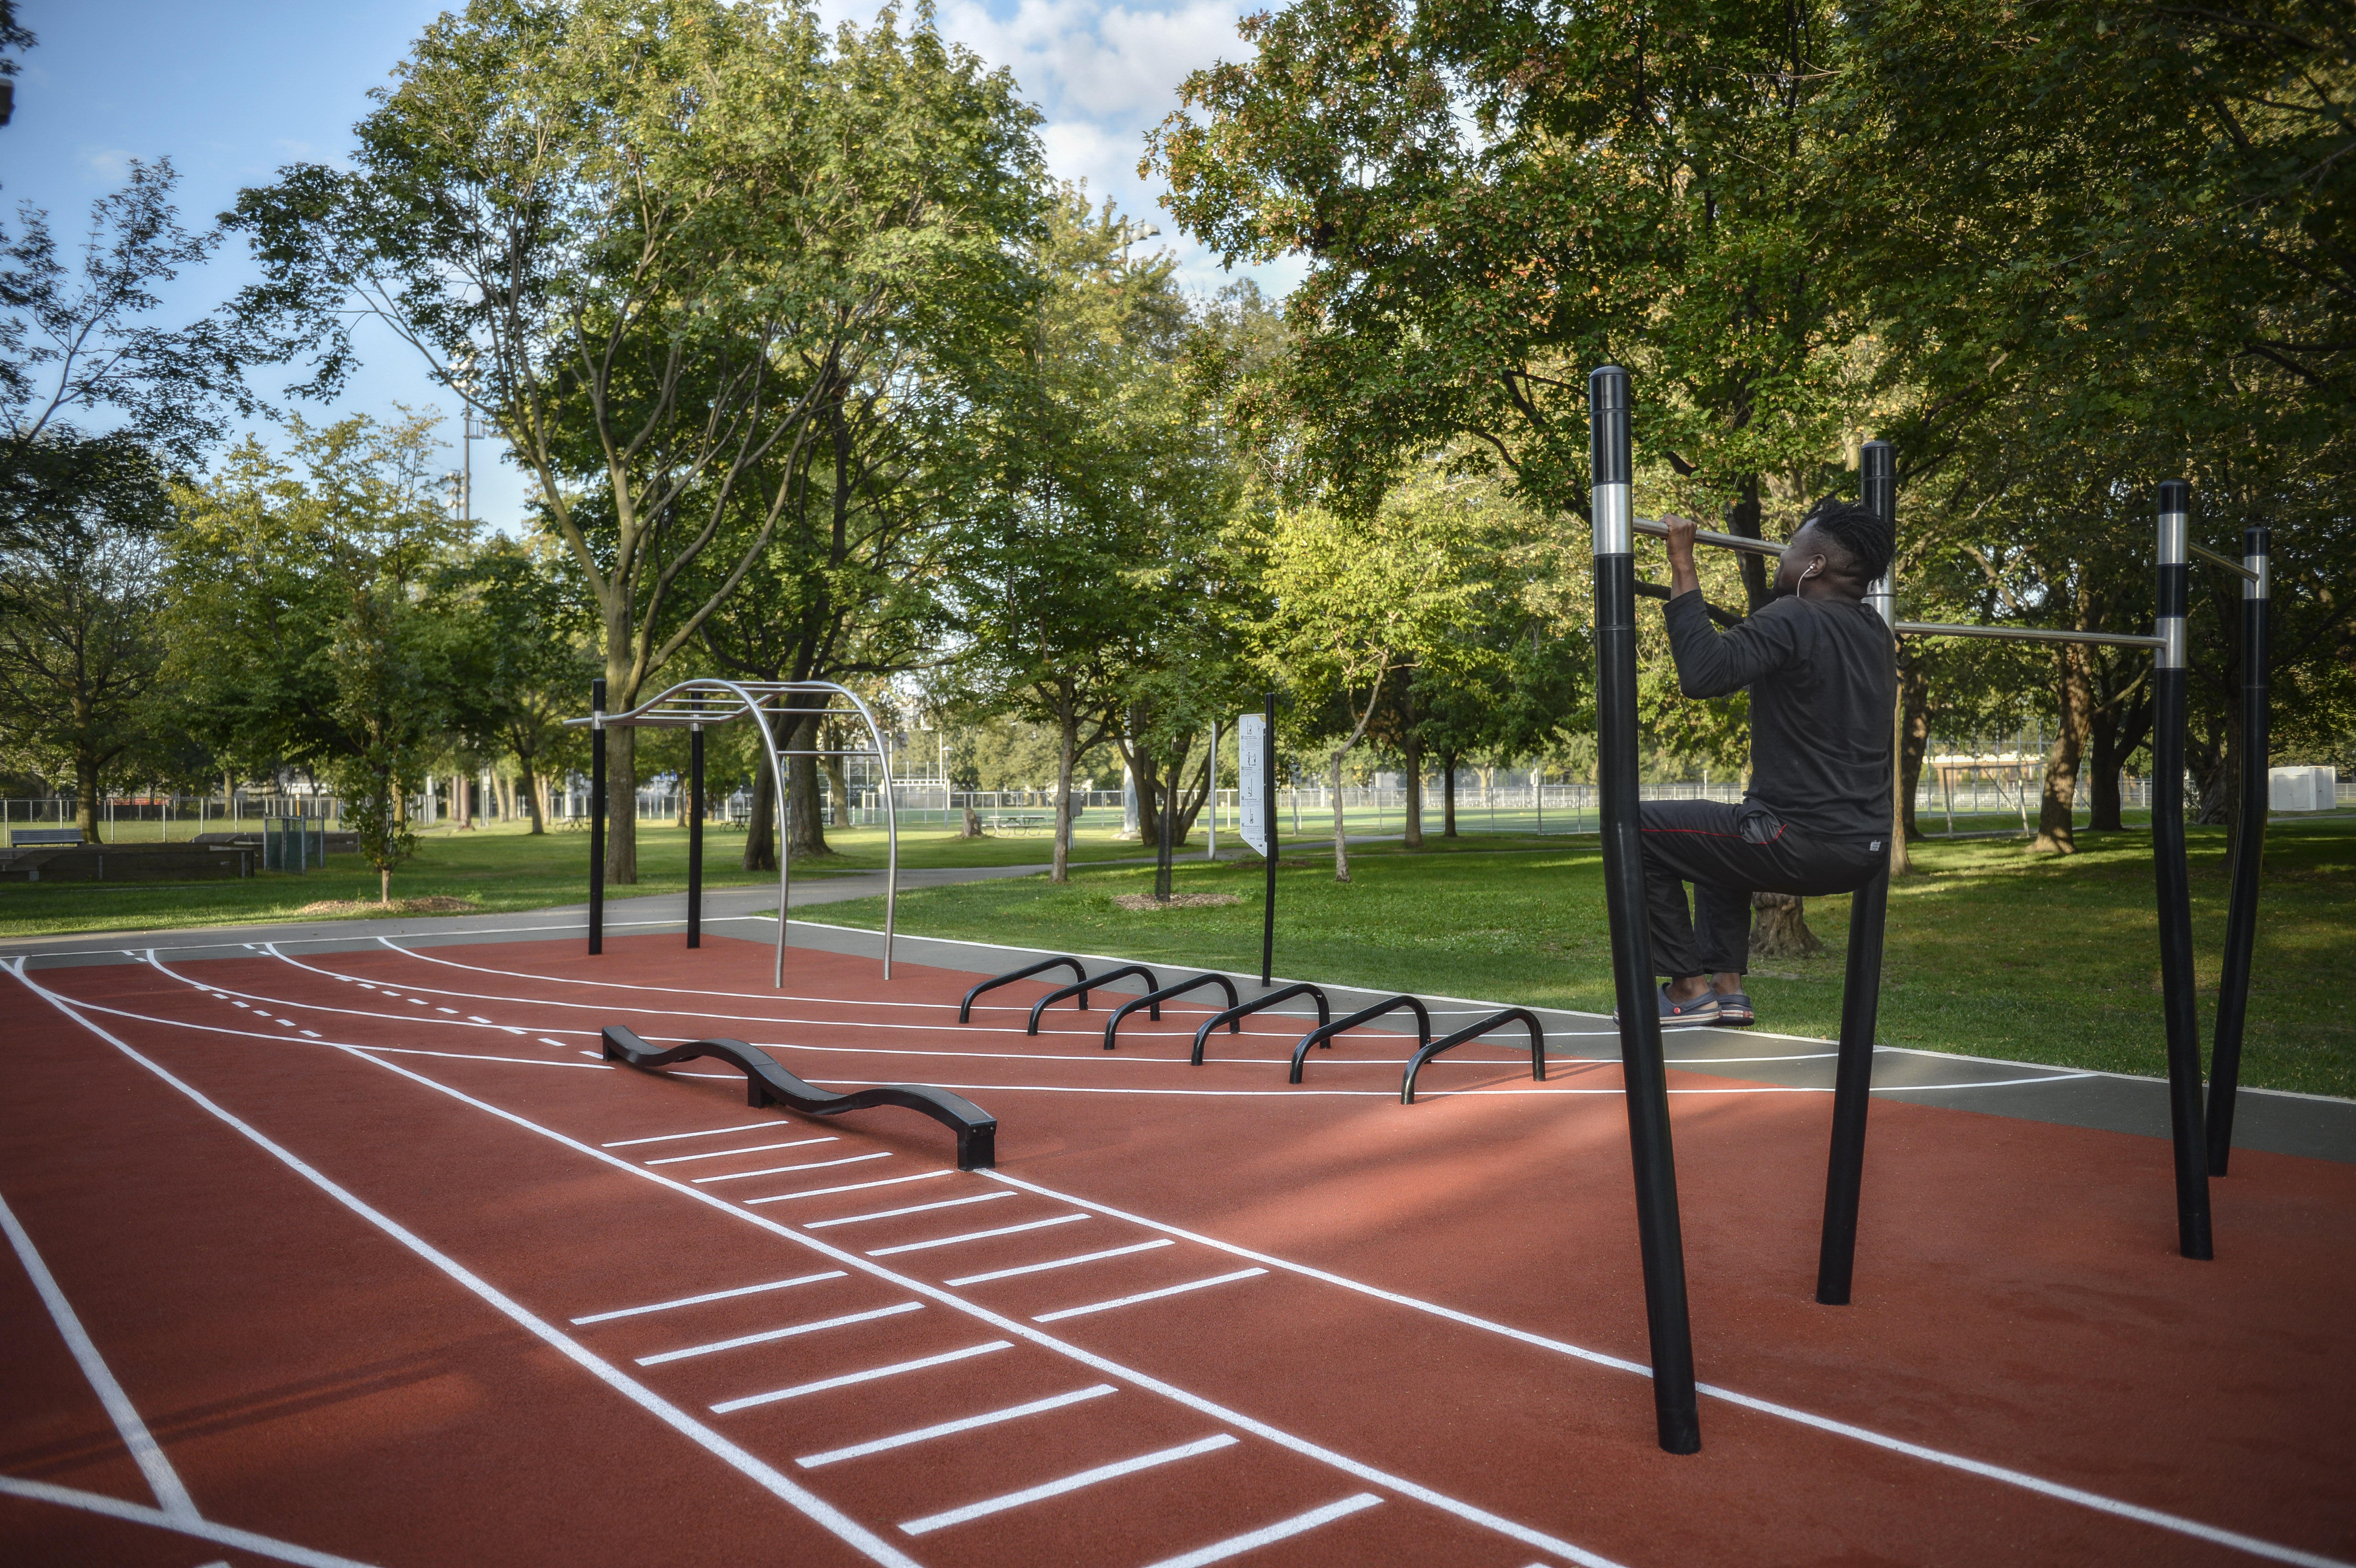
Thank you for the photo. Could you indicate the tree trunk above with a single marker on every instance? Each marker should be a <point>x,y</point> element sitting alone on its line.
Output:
<point>2056,831</point>
<point>1913,740</point>
<point>621,808</point>
<point>1447,797</point>
<point>1742,519</point>
<point>2204,753</point>
<point>838,793</point>
<point>86,794</point>
<point>1412,747</point>
<point>535,793</point>
<point>808,834</point>
<point>1340,840</point>
<point>760,827</point>
<point>1779,928</point>
<point>1067,749</point>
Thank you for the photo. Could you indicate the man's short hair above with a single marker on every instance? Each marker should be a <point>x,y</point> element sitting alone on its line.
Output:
<point>1864,538</point>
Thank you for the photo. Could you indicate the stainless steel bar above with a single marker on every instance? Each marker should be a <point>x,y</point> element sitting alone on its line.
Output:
<point>1703,536</point>
<point>2029,634</point>
<point>2228,562</point>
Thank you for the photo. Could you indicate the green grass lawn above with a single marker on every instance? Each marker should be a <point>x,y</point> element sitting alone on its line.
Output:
<point>498,868</point>
<point>1992,950</point>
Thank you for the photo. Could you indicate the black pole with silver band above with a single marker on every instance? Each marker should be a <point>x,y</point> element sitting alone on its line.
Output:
<point>1868,912</point>
<point>2249,849</point>
<point>2184,1110</point>
<point>695,829</point>
<point>1668,1319</point>
<point>596,816</point>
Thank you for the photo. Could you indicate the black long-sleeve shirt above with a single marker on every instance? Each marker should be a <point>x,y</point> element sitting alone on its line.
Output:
<point>1821,674</point>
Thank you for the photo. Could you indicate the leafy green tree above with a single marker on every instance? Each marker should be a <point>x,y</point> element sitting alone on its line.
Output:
<point>524,654</point>
<point>300,628</point>
<point>654,242</point>
<point>81,586</point>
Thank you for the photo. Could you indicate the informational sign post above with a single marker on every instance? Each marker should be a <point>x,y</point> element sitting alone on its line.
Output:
<point>1251,780</point>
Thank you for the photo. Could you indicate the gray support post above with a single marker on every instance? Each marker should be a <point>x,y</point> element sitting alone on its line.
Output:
<point>1667,1314</point>
<point>695,829</point>
<point>2169,873</point>
<point>1869,912</point>
<point>2249,850</point>
<point>596,816</point>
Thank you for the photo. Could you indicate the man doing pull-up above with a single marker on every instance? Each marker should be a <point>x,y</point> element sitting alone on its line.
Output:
<point>1821,669</point>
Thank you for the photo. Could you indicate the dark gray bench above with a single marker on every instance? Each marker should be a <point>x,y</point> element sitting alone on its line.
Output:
<point>31,837</point>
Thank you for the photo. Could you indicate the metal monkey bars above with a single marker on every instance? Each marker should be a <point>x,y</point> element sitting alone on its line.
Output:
<point>775,706</point>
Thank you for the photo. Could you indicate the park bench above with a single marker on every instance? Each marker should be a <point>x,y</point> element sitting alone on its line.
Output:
<point>38,838</point>
<point>1018,823</point>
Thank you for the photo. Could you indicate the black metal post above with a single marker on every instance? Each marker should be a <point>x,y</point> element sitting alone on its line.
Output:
<point>1666,1313</point>
<point>1268,826</point>
<point>2192,1238</point>
<point>695,831</point>
<point>598,818</point>
<point>1869,912</point>
<point>2249,850</point>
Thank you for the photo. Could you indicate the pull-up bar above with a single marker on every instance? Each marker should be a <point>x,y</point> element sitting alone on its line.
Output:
<point>690,706</point>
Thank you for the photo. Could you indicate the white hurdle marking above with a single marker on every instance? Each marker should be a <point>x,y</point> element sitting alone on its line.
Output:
<point>725,1152</point>
<point>947,1428</point>
<point>785,1169</point>
<point>853,1187</point>
<point>767,1335</point>
<point>975,1236</point>
<point>708,1296</point>
<point>912,1209</point>
<point>1147,1295</point>
<point>846,1378</point>
<point>674,1138</point>
<point>1284,1530</point>
<point>1060,1263</point>
<point>988,1506</point>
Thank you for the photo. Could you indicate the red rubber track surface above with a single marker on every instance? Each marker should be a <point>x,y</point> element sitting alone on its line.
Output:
<point>314,1379</point>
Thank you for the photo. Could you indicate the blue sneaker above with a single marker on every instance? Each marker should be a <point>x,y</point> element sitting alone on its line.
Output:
<point>1734,1009</point>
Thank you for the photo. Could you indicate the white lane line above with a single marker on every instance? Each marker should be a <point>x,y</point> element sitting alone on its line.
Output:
<point>453,1013</point>
<point>756,1148</point>
<point>768,1335</point>
<point>140,1513</point>
<point>1269,1535</point>
<point>161,1480</point>
<point>949,1428</point>
<point>784,1170</point>
<point>448,1055</point>
<point>852,1186</point>
<point>415,1002</point>
<point>1147,1295</point>
<point>911,1209</point>
<point>561,1046</point>
<point>988,1506</point>
<point>674,1137</point>
<point>708,1295</point>
<point>975,1236</point>
<point>313,1034</point>
<point>776,1482</point>
<point>846,1379</point>
<point>1060,1263</point>
<point>478,1019</point>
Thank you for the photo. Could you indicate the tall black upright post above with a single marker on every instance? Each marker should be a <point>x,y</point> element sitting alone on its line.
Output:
<point>1268,826</point>
<point>1869,912</point>
<point>1667,1318</point>
<point>2175,894</point>
<point>597,816</point>
<point>695,831</point>
<point>2249,850</point>
<point>1161,857</point>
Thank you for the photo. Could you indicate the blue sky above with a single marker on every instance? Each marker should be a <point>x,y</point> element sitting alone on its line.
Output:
<point>231,89</point>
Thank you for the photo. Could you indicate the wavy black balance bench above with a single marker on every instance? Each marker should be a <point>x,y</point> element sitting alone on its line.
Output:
<point>766,1083</point>
<point>1521,1016</point>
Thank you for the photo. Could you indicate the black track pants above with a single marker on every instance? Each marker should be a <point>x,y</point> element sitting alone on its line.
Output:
<point>1728,853</point>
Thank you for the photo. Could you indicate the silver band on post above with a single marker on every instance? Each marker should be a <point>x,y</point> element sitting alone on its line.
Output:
<point>2260,580</point>
<point>1610,507</point>
<point>2170,654</point>
<point>1882,598</point>
<point>2172,538</point>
